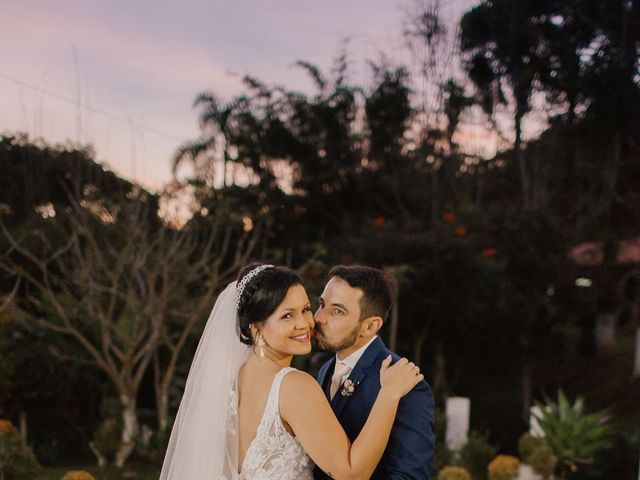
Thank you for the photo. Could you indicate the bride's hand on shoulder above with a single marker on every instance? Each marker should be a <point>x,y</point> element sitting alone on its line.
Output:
<point>399,379</point>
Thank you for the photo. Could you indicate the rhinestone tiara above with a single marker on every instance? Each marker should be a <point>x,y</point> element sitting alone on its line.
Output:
<point>245,281</point>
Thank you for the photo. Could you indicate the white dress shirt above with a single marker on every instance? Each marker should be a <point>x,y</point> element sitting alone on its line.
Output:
<point>344,367</point>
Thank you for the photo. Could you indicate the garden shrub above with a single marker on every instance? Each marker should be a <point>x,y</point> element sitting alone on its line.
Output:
<point>454,473</point>
<point>503,467</point>
<point>527,444</point>
<point>443,455</point>
<point>476,455</point>
<point>77,475</point>
<point>543,461</point>
<point>16,458</point>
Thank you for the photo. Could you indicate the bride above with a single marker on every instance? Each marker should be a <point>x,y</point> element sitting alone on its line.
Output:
<point>246,414</point>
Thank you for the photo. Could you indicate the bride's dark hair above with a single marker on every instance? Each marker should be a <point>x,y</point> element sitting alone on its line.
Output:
<point>262,295</point>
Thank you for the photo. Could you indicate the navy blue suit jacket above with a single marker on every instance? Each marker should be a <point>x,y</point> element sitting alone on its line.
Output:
<point>411,446</point>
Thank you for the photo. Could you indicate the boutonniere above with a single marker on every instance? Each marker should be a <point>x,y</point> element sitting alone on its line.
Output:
<point>348,387</point>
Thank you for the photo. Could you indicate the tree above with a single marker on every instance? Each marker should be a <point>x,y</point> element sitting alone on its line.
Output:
<point>204,153</point>
<point>96,288</point>
<point>36,175</point>
<point>205,259</point>
<point>116,286</point>
<point>499,42</point>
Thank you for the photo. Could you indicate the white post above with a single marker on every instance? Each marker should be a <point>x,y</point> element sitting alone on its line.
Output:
<point>534,427</point>
<point>525,472</point>
<point>458,410</point>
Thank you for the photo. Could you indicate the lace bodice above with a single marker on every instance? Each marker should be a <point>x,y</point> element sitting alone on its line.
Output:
<point>274,453</point>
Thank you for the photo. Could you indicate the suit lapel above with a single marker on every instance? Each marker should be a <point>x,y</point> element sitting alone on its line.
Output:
<point>357,375</point>
<point>324,378</point>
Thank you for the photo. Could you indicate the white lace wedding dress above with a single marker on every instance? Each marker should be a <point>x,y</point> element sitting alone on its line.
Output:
<point>274,453</point>
<point>204,441</point>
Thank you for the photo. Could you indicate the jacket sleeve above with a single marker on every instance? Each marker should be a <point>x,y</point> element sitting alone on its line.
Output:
<point>409,453</point>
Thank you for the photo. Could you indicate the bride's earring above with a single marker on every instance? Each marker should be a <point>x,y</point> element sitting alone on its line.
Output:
<point>260,344</point>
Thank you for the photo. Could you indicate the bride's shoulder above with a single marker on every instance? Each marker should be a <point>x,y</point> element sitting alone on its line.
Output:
<point>300,395</point>
<point>297,382</point>
<point>297,377</point>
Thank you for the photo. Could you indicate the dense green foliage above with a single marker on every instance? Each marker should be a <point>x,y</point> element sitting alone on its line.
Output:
<point>572,434</point>
<point>476,455</point>
<point>480,247</point>
<point>17,461</point>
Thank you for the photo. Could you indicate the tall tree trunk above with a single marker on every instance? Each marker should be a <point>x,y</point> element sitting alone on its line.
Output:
<point>393,338</point>
<point>418,344</point>
<point>224,171</point>
<point>440,374</point>
<point>435,206</point>
<point>526,390</point>
<point>129,429</point>
<point>477,189</point>
<point>610,177</point>
<point>163,415</point>
<point>525,180</point>
<point>636,362</point>
<point>635,320</point>
<point>23,425</point>
<point>225,159</point>
<point>162,398</point>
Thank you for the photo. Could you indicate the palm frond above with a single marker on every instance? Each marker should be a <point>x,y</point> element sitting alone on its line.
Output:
<point>189,151</point>
<point>314,72</point>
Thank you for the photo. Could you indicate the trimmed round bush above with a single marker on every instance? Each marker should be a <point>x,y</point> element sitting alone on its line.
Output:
<point>543,461</point>
<point>454,473</point>
<point>527,444</point>
<point>504,467</point>
<point>5,426</point>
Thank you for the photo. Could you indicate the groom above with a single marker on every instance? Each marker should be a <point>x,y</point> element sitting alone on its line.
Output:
<point>351,311</point>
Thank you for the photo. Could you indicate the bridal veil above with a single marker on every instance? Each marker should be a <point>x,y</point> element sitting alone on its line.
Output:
<point>203,443</point>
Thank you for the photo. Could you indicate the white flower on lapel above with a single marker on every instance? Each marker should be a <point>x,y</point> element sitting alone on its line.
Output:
<point>348,387</point>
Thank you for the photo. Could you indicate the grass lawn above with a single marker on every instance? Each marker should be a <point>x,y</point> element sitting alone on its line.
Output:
<point>132,472</point>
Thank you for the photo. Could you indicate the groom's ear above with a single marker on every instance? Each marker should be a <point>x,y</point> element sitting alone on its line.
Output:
<point>371,326</point>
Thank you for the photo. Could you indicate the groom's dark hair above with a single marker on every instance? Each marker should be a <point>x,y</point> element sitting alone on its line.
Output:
<point>376,286</point>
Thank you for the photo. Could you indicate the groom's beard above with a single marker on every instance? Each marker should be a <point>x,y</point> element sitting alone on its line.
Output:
<point>324,344</point>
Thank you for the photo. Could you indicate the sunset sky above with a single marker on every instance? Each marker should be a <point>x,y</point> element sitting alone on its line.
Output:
<point>136,66</point>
